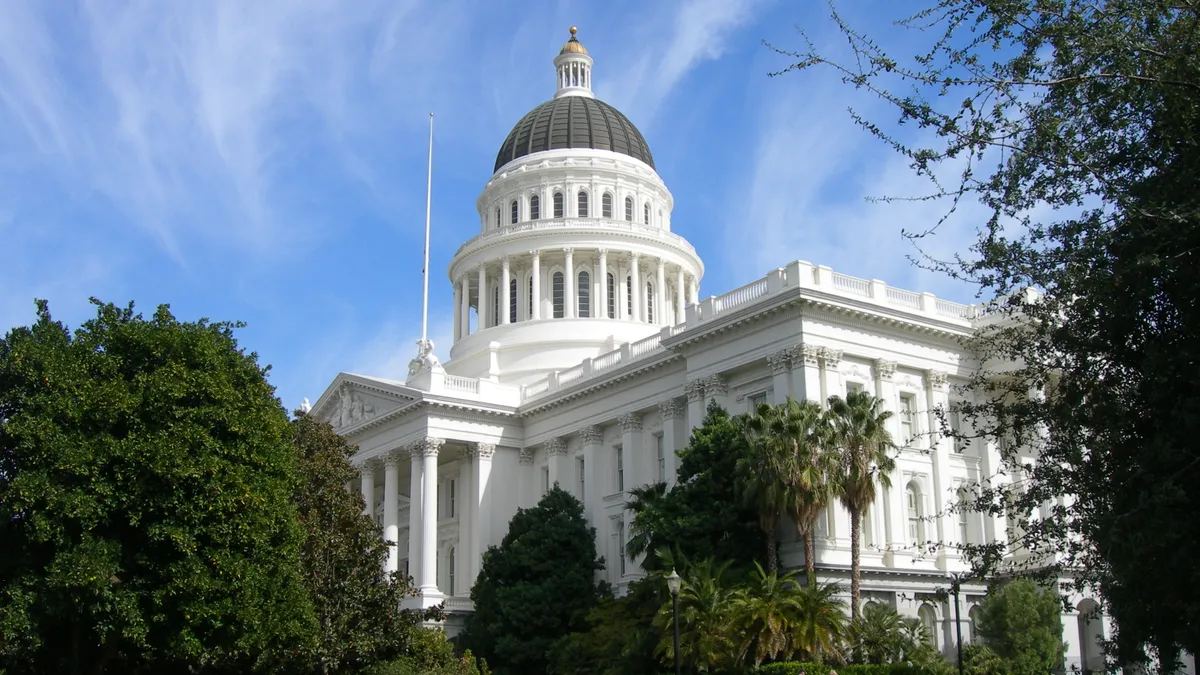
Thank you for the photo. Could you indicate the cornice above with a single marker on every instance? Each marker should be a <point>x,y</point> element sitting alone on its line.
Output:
<point>480,411</point>
<point>587,386</point>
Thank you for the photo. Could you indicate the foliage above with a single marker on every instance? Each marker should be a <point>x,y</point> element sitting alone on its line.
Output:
<point>536,587</point>
<point>762,474</point>
<point>1074,125</point>
<point>881,635</point>
<point>1022,624</point>
<point>357,607</point>
<point>430,653</point>
<point>619,636</point>
<point>795,668</point>
<point>860,432</point>
<point>979,659</point>
<point>821,622</point>
<point>701,516</point>
<point>146,471</point>
<point>707,642</point>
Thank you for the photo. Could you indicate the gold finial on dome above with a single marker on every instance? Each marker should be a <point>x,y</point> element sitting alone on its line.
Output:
<point>573,46</point>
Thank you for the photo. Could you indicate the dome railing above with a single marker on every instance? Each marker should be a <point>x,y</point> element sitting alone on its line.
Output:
<point>550,224</point>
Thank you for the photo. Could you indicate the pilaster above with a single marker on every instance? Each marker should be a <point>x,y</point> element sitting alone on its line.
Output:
<point>481,506</point>
<point>716,388</point>
<point>556,457</point>
<point>937,396</point>
<point>466,521</point>
<point>781,368</point>
<point>367,475</point>
<point>633,451</point>
<point>694,391</point>
<point>806,375</point>
<point>831,374</point>
<point>593,493</point>
<point>672,413</point>
<point>895,529</point>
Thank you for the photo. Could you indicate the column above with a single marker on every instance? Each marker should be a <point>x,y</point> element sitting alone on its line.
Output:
<point>414,512</point>
<point>660,291</point>
<point>937,396</point>
<point>635,291</point>
<point>672,412</point>
<point>556,456</point>
<point>621,293</point>
<point>569,283</point>
<point>457,313</point>
<point>694,390</point>
<point>466,523</point>
<point>464,308</point>
<point>832,375</point>
<point>593,441</point>
<point>716,389</point>
<point>895,529</point>
<point>780,364</point>
<point>694,291</point>
<point>391,508</point>
<point>830,383</point>
<point>633,451</point>
<point>680,292</point>
<point>481,528</point>
<point>482,303</point>
<point>505,297</point>
<point>429,516</point>
<point>602,306</point>
<point>535,278</point>
<point>806,377</point>
<point>367,471</point>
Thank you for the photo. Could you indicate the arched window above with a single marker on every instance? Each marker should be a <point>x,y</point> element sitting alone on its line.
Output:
<point>928,619</point>
<point>606,205</point>
<point>512,300</point>
<point>612,301</point>
<point>649,303</point>
<point>535,207</point>
<point>583,204</point>
<point>558,295</point>
<point>450,586</point>
<point>496,305</point>
<point>629,297</point>
<point>558,205</point>
<point>516,212</point>
<point>498,216</point>
<point>646,213</point>
<point>629,209</point>
<point>916,527</point>
<point>585,295</point>
<point>973,619</point>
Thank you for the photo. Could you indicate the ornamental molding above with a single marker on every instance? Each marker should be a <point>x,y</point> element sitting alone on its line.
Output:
<point>370,466</point>
<point>779,362</point>
<point>854,370</point>
<point>938,380</point>
<point>694,390</point>
<point>427,447</point>
<point>671,409</point>
<point>805,355</point>
<point>555,447</point>
<point>630,422</point>
<point>885,370</point>
<point>467,454</point>
<point>527,456</point>
<point>715,385</point>
<point>592,435</point>
<point>394,457</point>
<point>831,357</point>
<point>485,451</point>
<point>586,386</point>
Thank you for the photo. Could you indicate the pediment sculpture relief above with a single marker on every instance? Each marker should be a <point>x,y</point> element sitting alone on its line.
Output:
<point>350,407</point>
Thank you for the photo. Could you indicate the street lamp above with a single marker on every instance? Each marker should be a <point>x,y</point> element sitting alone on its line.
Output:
<point>955,585</point>
<point>673,583</point>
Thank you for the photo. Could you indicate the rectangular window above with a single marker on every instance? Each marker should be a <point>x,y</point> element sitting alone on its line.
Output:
<point>558,295</point>
<point>661,455</point>
<point>612,301</point>
<point>582,485</point>
<point>529,286</point>
<point>545,479</point>
<point>512,300</point>
<point>451,505</point>
<point>451,572</point>
<point>629,297</point>
<point>620,452</point>
<point>495,317</point>
<point>853,387</point>
<point>516,211</point>
<point>535,208</point>
<point>908,418</point>
<point>964,534</point>
<point>558,205</point>
<point>621,545</point>
<point>585,295</point>
<point>757,400</point>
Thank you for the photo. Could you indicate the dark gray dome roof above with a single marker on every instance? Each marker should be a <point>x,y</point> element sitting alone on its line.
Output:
<point>573,122</point>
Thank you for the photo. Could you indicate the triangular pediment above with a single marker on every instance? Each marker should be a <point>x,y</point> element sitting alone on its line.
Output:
<point>354,400</point>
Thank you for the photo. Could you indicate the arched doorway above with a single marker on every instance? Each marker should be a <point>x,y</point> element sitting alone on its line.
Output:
<point>1091,636</point>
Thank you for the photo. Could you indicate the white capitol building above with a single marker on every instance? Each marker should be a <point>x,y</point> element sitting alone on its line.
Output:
<point>583,355</point>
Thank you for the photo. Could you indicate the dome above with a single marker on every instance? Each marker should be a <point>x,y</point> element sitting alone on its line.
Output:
<point>573,46</point>
<point>573,122</point>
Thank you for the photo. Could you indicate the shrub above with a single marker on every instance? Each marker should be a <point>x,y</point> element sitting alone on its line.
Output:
<point>794,668</point>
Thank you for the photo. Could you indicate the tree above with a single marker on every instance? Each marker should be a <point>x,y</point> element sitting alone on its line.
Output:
<point>1074,126</point>
<point>429,652</point>
<point>356,605</point>
<point>860,431</point>
<point>876,634</point>
<point>1022,624</point>
<point>765,614</point>
<point>619,638</point>
<point>811,470</point>
<point>707,640</point>
<point>763,471</point>
<point>536,587</point>
<point>146,472</point>
<point>701,516</point>
<point>821,622</point>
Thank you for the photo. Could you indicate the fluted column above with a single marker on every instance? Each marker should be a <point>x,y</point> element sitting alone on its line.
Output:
<point>535,278</point>
<point>603,294</point>
<point>660,290</point>
<point>680,296</point>
<point>556,456</point>
<point>937,396</point>
<point>895,525</point>
<point>635,290</point>
<point>367,472</point>
<point>466,522</point>
<point>780,363</point>
<point>482,303</point>
<point>505,297</point>
<point>414,512</point>
<point>694,390</point>
<point>806,378</point>
<point>391,507</point>
<point>593,505</point>
<point>480,507</point>
<point>429,480</point>
<point>619,288</point>
<point>671,411</point>
<point>694,291</point>
<point>569,283</point>
<point>464,308</point>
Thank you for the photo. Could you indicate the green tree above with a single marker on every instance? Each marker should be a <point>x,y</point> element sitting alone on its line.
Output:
<point>620,637</point>
<point>812,470</point>
<point>764,612</point>
<point>146,473</point>
<point>429,652</point>
<point>763,472</point>
<point>877,634</point>
<point>1075,126</point>
<point>707,639</point>
<point>820,623</point>
<point>1022,623</point>
<point>356,605</point>
<point>701,516</point>
<point>536,587</point>
<point>860,432</point>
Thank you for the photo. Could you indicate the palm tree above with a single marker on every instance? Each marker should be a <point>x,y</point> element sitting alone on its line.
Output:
<point>764,612</point>
<point>706,637</point>
<point>810,470</point>
<point>642,537</point>
<point>820,623</point>
<point>763,472</point>
<point>860,432</point>
<point>877,634</point>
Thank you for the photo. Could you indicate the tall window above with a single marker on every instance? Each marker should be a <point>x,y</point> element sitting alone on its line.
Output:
<point>964,534</point>
<point>495,305</point>
<point>498,216</point>
<point>629,297</point>
<point>612,302</point>
<point>852,387</point>
<point>757,400</point>
<point>515,212</point>
<point>908,418</point>
<point>620,452</point>
<point>535,207</point>
<point>558,295</point>
<point>585,295</point>
<point>583,204</point>
<point>450,502</point>
<point>649,303</point>
<point>512,300</point>
<point>450,586</point>
<point>955,419</point>
<point>629,209</point>
<point>621,544</point>
<point>661,456</point>
<point>646,213</point>
<point>582,485</point>
<point>529,285</point>
<point>929,620</point>
<point>558,205</point>
<point>606,205</point>
<point>916,528</point>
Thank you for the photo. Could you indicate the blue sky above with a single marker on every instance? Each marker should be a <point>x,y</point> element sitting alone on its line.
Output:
<point>265,161</point>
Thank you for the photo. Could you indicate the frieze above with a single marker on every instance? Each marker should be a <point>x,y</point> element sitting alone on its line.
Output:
<point>349,408</point>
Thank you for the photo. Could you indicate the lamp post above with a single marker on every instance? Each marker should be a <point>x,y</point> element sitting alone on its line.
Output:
<point>673,583</point>
<point>955,585</point>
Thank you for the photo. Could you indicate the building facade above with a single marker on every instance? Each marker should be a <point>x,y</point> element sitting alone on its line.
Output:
<point>583,355</point>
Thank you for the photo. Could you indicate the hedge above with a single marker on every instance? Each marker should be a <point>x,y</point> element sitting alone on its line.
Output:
<point>794,668</point>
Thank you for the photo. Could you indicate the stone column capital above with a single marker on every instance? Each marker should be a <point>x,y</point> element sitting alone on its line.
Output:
<point>938,380</point>
<point>504,260</point>
<point>671,409</point>
<point>884,369</point>
<point>395,456</point>
<point>527,456</point>
<point>555,447</point>
<point>370,465</point>
<point>427,447</point>
<point>694,390</point>
<point>630,422</point>
<point>592,435</point>
<point>485,450</point>
<point>780,361</point>
<point>804,355</point>
<point>715,385</point>
<point>832,358</point>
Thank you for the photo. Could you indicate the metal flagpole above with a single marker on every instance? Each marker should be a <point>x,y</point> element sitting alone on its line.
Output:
<point>425,269</point>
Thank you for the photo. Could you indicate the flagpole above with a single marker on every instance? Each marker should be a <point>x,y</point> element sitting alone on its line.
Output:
<point>425,269</point>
